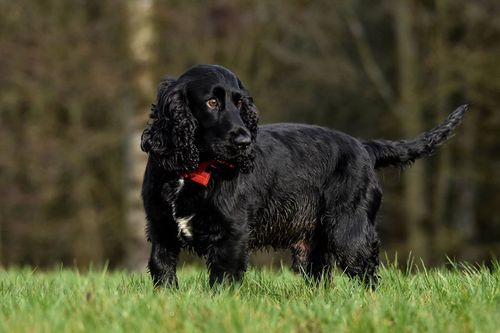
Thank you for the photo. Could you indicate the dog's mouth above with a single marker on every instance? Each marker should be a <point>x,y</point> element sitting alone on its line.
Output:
<point>230,153</point>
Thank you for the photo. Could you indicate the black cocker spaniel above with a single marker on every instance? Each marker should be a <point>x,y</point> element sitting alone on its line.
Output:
<point>220,185</point>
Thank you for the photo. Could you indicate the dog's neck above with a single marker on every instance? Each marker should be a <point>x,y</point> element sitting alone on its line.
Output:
<point>203,173</point>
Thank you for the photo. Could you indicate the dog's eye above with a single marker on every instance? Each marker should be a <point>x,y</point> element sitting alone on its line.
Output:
<point>212,103</point>
<point>239,103</point>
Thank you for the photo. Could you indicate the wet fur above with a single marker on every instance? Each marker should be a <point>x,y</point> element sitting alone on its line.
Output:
<point>306,188</point>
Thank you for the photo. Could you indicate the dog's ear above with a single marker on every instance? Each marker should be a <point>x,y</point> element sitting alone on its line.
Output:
<point>249,113</point>
<point>170,134</point>
<point>250,117</point>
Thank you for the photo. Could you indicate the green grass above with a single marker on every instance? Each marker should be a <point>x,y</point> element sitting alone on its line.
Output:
<point>456,300</point>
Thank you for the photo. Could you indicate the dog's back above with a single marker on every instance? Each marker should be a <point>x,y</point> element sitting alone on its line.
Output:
<point>304,172</point>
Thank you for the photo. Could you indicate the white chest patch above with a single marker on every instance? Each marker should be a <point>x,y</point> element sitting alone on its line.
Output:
<point>182,222</point>
<point>184,226</point>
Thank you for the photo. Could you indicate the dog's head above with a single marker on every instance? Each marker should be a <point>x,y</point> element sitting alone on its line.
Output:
<point>206,114</point>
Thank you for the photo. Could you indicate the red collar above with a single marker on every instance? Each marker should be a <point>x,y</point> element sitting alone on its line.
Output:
<point>202,175</point>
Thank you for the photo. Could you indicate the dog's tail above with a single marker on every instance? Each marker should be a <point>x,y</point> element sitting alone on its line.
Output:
<point>404,152</point>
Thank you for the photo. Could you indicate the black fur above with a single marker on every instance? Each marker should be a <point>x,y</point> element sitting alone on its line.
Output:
<point>306,188</point>
<point>405,152</point>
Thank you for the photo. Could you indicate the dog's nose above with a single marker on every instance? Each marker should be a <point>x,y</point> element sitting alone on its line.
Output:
<point>241,138</point>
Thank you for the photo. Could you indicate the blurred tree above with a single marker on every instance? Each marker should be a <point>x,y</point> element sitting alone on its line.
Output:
<point>76,80</point>
<point>141,42</point>
<point>409,108</point>
<point>444,82</point>
<point>477,179</point>
<point>63,66</point>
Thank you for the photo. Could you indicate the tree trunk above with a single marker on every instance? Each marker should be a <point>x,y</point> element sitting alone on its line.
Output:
<point>1,239</point>
<point>443,92</point>
<point>410,110</point>
<point>465,217</point>
<point>142,34</point>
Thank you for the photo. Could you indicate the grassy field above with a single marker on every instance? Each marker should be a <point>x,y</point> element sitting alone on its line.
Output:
<point>456,300</point>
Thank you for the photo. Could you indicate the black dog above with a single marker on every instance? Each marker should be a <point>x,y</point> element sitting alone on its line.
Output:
<point>219,185</point>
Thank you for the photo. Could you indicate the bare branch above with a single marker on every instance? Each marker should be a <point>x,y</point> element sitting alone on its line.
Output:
<point>368,61</point>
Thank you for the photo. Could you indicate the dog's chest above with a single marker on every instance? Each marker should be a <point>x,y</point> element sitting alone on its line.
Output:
<point>181,212</point>
<point>188,203</point>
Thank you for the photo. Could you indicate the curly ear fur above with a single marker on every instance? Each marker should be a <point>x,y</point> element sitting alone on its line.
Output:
<point>250,117</point>
<point>170,134</point>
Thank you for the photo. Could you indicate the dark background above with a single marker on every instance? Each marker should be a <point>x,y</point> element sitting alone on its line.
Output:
<point>77,79</point>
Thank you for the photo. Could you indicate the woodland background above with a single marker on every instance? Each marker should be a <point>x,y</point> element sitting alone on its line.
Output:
<point>77,79</point>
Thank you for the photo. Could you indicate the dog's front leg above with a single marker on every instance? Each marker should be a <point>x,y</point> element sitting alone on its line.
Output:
<point>162,263</point>
<point>227,259</point>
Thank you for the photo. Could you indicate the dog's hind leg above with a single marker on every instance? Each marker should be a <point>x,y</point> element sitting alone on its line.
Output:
<point>312,259</point>
<point>300,256</point>
<point>356,246</point>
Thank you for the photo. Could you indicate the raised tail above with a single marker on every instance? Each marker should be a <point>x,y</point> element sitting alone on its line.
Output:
<point>404,152</point>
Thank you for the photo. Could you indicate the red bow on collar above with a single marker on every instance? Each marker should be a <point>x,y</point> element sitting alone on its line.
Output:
<point>201,175</point>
